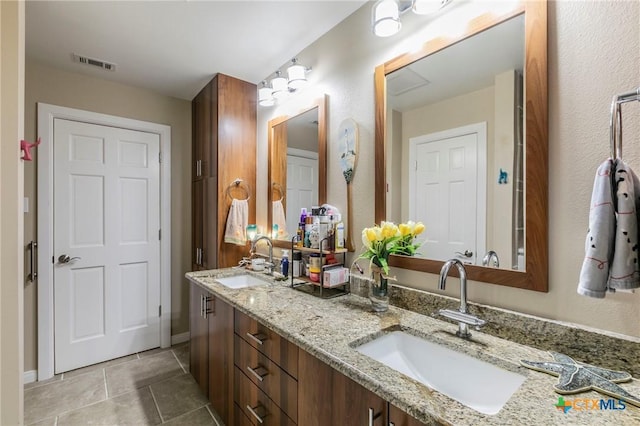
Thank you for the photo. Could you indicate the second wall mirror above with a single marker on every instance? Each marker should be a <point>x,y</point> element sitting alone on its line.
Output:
<point>297,167</point>
<point>461,135</point>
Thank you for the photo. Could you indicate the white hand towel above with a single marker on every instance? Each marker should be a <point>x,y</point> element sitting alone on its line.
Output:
<point>280,220</point>
<point>600,236</point>
<point>237,221</point>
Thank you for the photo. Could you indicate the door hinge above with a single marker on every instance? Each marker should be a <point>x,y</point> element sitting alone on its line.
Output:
<point>159,234</point>
<point>53,259</point>
<point>160,157</point>
<point>416,166</point>
<point>159,310</point>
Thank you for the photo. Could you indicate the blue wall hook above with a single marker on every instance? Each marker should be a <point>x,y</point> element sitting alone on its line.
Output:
<point>503,177</point>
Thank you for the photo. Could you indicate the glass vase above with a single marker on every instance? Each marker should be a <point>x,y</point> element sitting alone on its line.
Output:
<point>378,290</point>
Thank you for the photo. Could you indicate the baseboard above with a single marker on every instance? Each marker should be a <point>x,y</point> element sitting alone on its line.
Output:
<point>30,376</point>
<point>180,338</point>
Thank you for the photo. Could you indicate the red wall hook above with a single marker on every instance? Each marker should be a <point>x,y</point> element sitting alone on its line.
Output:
<point>26,149</point>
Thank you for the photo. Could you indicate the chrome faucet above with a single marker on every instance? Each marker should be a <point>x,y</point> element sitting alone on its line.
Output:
<point>269,265</point>
<point>462,315</point>
<point>491,255</point>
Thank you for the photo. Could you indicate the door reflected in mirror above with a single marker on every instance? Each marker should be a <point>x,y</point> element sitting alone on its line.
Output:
<point>297,171</point>
<point>455,147</point>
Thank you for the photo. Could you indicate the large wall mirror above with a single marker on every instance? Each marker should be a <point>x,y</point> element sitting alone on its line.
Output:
<point>461,144</point>
<point>297,167</point>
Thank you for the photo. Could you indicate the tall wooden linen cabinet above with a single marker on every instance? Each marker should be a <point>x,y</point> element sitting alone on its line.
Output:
<point>224,149</point>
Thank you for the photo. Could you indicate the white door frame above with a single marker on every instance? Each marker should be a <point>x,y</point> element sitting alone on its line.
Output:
<point>480,129</point>
<point>46,114</point>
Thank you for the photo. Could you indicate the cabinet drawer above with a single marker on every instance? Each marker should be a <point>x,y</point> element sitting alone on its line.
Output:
<point>276,348</point>
<point>240,418</point>
<point>256,405</point>
<point>266,375</point>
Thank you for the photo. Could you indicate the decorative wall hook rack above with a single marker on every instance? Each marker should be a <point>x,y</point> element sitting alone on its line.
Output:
<point>25,147</point>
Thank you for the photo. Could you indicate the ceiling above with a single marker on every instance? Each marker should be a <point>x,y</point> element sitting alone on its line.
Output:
<point>175,47</point>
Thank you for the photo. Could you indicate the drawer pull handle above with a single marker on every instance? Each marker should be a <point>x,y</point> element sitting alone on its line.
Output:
<point>253,412</point>
<point>259,338</point>
<point>259,372</point>
<point>372,416</point>
<point>392,424</point>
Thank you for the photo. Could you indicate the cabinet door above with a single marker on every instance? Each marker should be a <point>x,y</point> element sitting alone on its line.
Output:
<point>198,344</point>
<point>397,417</point>
<point>327,397</point>
<point>201,113</point>
<point>197,221</point>
<point>220,318</point>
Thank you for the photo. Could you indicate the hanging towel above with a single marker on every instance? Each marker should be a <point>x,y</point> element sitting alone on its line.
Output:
<point>280,220</point>
<point>625,270</point>
<point>237,221</point>
<point>611,246</point>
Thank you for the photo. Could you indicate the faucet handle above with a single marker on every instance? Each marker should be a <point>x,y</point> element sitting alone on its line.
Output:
<point>462,317</point>
<point>467,254</point>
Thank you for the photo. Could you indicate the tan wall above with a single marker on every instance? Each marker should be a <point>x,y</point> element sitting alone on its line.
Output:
<point>12,27</point>
<point>594,53</point>
<point>53,86</point>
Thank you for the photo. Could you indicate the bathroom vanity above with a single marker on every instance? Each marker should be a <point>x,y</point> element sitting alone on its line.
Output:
<point>290,358</point>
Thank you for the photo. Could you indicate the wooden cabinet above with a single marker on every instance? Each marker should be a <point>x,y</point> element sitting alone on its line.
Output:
<point>328,397</point>
<point>224,149</point>
<point>266,370</point>
<point>211,349</point>
<point>199,339</point>
<point>397,417</point>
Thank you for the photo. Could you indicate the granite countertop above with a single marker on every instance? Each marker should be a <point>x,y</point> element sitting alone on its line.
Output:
<point>330,329</point>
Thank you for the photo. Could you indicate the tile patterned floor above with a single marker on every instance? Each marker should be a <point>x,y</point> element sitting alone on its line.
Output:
<point>148,388</point>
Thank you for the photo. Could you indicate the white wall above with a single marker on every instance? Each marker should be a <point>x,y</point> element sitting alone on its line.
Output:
<point>594,53</point>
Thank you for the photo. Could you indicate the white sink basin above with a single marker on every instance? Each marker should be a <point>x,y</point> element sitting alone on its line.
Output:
<point>475,383</point>
<point>240,281</point>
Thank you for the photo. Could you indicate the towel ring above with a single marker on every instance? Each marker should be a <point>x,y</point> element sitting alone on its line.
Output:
<point>238,183</point>
<point>615,121</point>
<point>277,187</point>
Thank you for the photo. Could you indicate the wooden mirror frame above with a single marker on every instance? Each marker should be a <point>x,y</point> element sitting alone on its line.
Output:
<point>535,276</point>
<point>321,104</point>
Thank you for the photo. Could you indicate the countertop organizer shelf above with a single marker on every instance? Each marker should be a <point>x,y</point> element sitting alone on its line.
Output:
<point>314,288</point>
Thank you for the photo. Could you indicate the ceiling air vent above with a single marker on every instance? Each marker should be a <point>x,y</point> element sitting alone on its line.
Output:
<point>94,62</point>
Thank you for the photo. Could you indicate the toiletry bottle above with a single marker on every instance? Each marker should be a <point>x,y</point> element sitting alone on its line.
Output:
<point>339,234</point>
<point>284,263</point>
<point>297,260</point>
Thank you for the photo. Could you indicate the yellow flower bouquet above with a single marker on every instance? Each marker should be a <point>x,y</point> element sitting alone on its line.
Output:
<point>389,238</point>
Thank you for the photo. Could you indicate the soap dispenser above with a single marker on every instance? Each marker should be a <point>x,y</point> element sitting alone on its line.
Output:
<point>284,263</point>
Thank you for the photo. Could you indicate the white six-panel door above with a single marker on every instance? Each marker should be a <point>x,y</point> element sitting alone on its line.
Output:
<point>106,220</point>
<point>447,191</point>
<point>302,185</point>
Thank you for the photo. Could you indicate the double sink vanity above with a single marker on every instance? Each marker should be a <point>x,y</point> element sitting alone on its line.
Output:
<point>334,361</point>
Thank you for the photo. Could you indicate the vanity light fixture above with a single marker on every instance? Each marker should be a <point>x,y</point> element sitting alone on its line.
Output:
<point>297,75</point>
<point>280,86</point>
<point>386,18</point>
<point>265,95</point>
<point>386,13</point>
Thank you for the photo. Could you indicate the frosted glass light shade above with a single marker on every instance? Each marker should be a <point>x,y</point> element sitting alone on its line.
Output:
<point>279,86</point>
<point>297,76</point>
<point>425,7</point>
<point>386,18</point>
<point>265,96</point>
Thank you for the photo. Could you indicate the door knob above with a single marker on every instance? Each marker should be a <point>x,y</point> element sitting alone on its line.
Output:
<point>467,253</point>
<point>64,258</point>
